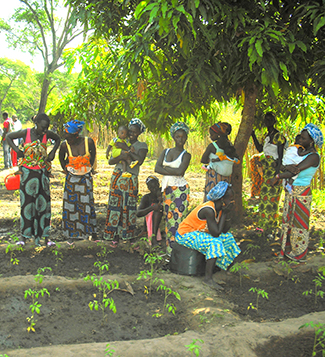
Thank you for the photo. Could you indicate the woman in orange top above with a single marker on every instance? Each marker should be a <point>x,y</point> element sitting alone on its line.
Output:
<point>205,229</point>
<point>77,156</point>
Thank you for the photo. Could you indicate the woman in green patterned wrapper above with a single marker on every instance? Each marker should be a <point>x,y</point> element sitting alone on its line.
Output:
<point>35,199</point>
<point>172,163</point>
<point>270,162</point>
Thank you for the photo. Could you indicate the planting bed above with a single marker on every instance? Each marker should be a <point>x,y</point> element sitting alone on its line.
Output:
<point>219,318</point>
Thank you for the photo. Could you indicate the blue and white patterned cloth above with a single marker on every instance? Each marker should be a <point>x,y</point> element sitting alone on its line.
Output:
<point>74,126</point>
<point>138,123</point>
<point>315,133</point>
<point>218,191</point>
<point>224,247</point>
<point>179,126</point>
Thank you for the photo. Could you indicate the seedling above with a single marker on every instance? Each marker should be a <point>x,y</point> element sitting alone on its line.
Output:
<point>12,248</point>
<point>259,292</point>
<point>239,268</point>
<point>194,348</point>
<point>101,267</point>
<point>35,307</point>
<point>150,258</point>
<point>250,248</point>
<point>319,340</point>
<point>39,277</point>
<point>109,351</point>
<point>104,289</point>
<point>318,285</point>
<point>168,291</point>
<point>288,270</point>
<point>57,254</point>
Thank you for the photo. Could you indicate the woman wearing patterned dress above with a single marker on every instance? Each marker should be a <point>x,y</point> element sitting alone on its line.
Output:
<point>205,229</point>
<point>123,194</point>
<point>35,199</point>
<point>297,204</point>
<point>172,163</point>
<point>77,157</point>
<point>270,162</point>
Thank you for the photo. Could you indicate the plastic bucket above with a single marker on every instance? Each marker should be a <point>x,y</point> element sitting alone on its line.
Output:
<point>12,182</point>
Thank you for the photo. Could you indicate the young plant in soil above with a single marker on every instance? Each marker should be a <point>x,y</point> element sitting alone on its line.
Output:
<point>318,285</point>
<point>259,292</point>
<point>12,248</point>
<point>57,254</point>
<point>194,348</point>
<point>152,259</point>
<point>35,306</point>
<point>104,288</point>
<point>109,351</point>
<point>286,268</point>
<point>239,268</point>
<point>319,340</point>
<point>101,267</point>
<point>168,291</point>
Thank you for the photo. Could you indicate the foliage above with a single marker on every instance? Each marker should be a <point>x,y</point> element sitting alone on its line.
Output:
<point>239,268</point>
<point>194,347</point>
<point>104,289</point>
<point>167,291</point>
<point>36,26</point>
<point>318,281</point>
<point>259,292</point>
<point>319,341</point>
<point>12,248</point>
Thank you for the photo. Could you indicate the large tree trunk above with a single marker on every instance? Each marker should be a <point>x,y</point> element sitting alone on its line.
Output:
<point>244,133</point>
<point>44,94</point>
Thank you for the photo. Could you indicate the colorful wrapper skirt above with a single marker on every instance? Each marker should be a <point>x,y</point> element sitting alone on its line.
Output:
<point>176,201</point>
<point>256,175</point>
<point>295,222</point>
<point>79,216</point>
<point>122,206</point>
<point>224,247</point>
<point>35,203</point>
<point>212,178</point>
<point>269,196</point>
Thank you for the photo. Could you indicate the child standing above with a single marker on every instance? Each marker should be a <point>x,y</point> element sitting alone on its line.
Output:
<point>122,137</point>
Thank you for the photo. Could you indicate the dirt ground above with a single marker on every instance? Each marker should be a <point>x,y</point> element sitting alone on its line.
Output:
<point>219,323</point>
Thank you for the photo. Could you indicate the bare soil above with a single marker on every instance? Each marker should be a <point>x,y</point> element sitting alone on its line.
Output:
<point>228,319</point>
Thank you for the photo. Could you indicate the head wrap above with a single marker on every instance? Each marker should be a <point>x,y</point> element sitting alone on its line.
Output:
<point>218,191</point>
<point>150,178</point>
<point>221,128</point>
<point>73,126</point>
<point>179,126</point>
<point>138,123</point>
<point>315,133</point>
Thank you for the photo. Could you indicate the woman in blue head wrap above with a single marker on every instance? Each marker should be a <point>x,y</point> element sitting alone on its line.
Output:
<point>77,157</point>
<point>123,194</point>
<point>34,162</point>
<point>206,229</point>
<point>298,197</point>
<point>172,163</point>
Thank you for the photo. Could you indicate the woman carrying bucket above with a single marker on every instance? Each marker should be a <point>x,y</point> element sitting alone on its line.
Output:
<point>35,199</point>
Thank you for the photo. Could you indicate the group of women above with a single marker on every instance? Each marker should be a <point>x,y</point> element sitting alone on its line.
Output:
<point>293,169</point>
<point>204,229</point>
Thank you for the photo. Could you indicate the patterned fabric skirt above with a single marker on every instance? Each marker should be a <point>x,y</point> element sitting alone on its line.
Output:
<point>212,178</point>
<point>176,201</point>
<point>269,197</point>
<point>295,222</point>
<point>122,206</point>
<point>256,175</point>
<point>224,248</point>
<point>35,203</point>
<point>78,217</point>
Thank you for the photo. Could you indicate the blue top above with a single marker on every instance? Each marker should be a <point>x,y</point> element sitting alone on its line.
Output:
<point>305,176</point>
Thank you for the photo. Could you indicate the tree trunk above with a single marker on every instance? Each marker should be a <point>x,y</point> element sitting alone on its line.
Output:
<point>244,133</point>
<point>44,94</point>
